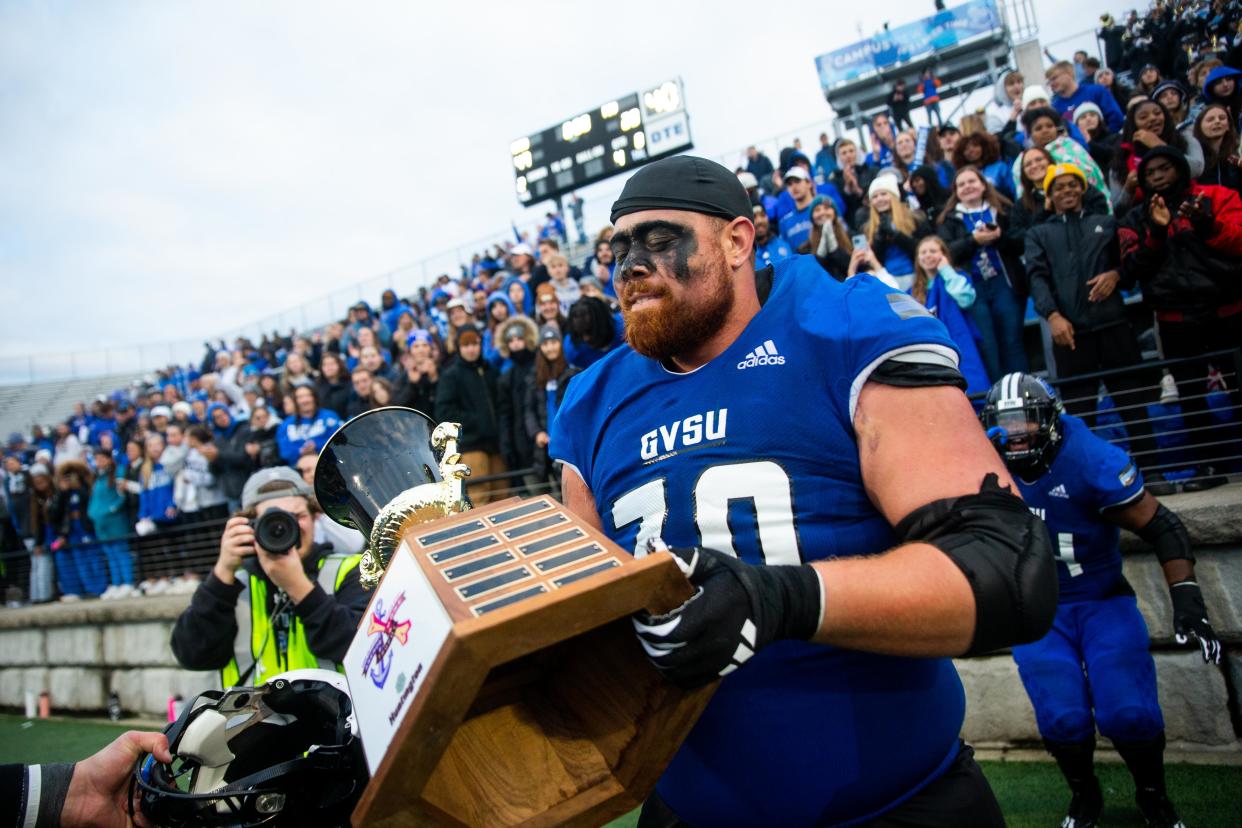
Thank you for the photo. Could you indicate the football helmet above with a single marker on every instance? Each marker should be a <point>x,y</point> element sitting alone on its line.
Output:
<point>284,753</point>
<point>1022,417</point>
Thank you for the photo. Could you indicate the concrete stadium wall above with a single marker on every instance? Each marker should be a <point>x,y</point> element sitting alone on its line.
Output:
<point>1200,701</point>
<point>79,652</point>
<point>82,651</point>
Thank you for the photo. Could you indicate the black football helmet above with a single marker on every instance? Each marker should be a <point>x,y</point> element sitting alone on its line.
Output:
<point>1022,417</point>
<point>284,753</point>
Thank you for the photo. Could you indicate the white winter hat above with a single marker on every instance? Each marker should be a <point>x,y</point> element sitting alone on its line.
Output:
<point>1084,108</point>
<point>1034,93</point>
<point>886,184</point>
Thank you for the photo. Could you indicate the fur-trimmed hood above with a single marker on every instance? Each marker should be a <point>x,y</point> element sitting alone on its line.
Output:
<point>529,330</point>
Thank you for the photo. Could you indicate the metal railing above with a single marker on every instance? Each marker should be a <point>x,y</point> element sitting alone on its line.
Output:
<point>174,557</point>
<point>183,551</point>
<point>1183,429</point>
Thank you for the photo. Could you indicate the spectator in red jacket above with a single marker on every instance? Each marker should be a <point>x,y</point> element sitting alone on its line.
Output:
<point>1183,243</point>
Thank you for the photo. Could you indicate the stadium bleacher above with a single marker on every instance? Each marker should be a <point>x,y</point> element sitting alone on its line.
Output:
<point>49,402</point>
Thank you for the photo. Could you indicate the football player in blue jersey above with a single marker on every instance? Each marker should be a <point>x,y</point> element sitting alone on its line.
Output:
<point>805,448</point>
<point>1093,668</point>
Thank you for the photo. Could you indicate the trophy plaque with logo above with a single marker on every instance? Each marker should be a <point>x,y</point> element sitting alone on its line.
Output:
<point>496,677</point>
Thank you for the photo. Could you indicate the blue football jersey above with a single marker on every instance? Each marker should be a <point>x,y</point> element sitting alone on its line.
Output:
<point>754,454</point>
<point>1088,476</point>
<point>795,226</point>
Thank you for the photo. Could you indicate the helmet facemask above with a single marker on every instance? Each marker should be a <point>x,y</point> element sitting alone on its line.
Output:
<point>1025,426</point>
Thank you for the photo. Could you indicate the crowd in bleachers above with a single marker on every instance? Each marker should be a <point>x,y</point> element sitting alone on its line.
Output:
<point>1099,180</point>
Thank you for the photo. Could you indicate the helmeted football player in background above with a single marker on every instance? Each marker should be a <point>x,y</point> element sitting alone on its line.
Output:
<point>1093,669</point>
<point>805,446</point>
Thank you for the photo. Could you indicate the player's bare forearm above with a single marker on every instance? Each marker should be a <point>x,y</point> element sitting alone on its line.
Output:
<point>910,601</point>
<point>578,498</point>
<point>971,559</point>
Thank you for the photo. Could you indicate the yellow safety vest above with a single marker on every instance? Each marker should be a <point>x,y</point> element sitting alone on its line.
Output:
<point>254,629</point>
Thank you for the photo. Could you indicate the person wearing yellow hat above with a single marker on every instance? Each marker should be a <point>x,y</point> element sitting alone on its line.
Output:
<point>1073,262</point>
<point>1058,170</point>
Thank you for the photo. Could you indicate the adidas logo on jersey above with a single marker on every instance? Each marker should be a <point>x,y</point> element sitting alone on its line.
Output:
<point>1059,491</point>
<point>765,354</point>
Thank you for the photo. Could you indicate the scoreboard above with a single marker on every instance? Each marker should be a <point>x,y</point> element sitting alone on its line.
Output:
<point>609,140</point>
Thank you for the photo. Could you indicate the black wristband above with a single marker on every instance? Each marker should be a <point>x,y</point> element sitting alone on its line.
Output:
<point>801,598</point>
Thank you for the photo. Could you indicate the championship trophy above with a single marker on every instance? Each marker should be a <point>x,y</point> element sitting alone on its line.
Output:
<point>496,677</point>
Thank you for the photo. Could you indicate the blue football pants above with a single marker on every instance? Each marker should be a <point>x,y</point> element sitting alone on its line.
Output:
<point>1093,668</point>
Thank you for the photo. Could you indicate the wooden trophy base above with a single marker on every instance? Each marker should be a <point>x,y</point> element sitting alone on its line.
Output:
<point>540,712</point>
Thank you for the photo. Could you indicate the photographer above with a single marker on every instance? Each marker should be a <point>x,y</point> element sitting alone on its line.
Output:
<point>308,601</point>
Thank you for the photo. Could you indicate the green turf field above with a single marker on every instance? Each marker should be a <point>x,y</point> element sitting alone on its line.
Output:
<point>1031,793</point>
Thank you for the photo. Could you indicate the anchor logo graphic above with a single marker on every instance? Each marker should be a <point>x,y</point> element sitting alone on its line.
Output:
<point>385,625</point>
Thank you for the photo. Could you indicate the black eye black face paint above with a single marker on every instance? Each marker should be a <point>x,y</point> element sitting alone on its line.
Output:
<point>655,243</point>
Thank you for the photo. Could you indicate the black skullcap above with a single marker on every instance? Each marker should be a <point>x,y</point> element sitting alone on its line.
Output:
<point>684,182</point>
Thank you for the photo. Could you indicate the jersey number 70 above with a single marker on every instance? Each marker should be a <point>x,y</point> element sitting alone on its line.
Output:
<point>764,483</point>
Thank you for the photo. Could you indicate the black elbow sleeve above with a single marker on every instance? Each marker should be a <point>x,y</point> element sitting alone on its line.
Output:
<point>1005,553</point>
<point>1167,535</point>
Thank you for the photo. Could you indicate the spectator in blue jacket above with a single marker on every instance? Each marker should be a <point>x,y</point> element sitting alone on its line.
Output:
<point>785,201</point>
<point>109,513</point>
<point>391,308</point>
<point>520,296</point>
<point>155,501</point>
<point>499,309</point>
<point>769,247</point>
<point>1068,93</point>
<point>308,430</point>
<point>882,139</point>
<point>103,420</point>
<point>360,316</point>
<point>795,223</point>
<point>825,159</point>
<point>948,294</point>
<point>79,563</point>
<point>1223,85</point>
<point>760,166</point>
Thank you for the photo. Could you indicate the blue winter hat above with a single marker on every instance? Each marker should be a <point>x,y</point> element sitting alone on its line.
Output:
<point>418,335</point>
<point>1216,74</point>
<point>16,438</point>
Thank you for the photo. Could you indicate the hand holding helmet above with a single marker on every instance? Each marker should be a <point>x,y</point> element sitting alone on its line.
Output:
<point>284,753</point>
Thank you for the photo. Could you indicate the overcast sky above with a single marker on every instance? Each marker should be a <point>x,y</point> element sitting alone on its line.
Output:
<point>172,171</point>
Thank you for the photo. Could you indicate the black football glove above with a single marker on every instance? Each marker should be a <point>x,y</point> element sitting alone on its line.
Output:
<point>1190,619</point>
<point>736,610</point>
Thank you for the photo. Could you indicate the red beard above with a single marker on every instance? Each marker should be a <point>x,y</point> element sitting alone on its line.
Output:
<point>675,326</point>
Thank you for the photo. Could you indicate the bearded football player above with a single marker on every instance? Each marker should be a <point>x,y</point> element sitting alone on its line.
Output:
<point>805,448</point>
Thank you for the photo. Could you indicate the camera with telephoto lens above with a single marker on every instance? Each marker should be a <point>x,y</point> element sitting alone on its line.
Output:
<point>277,531</point>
